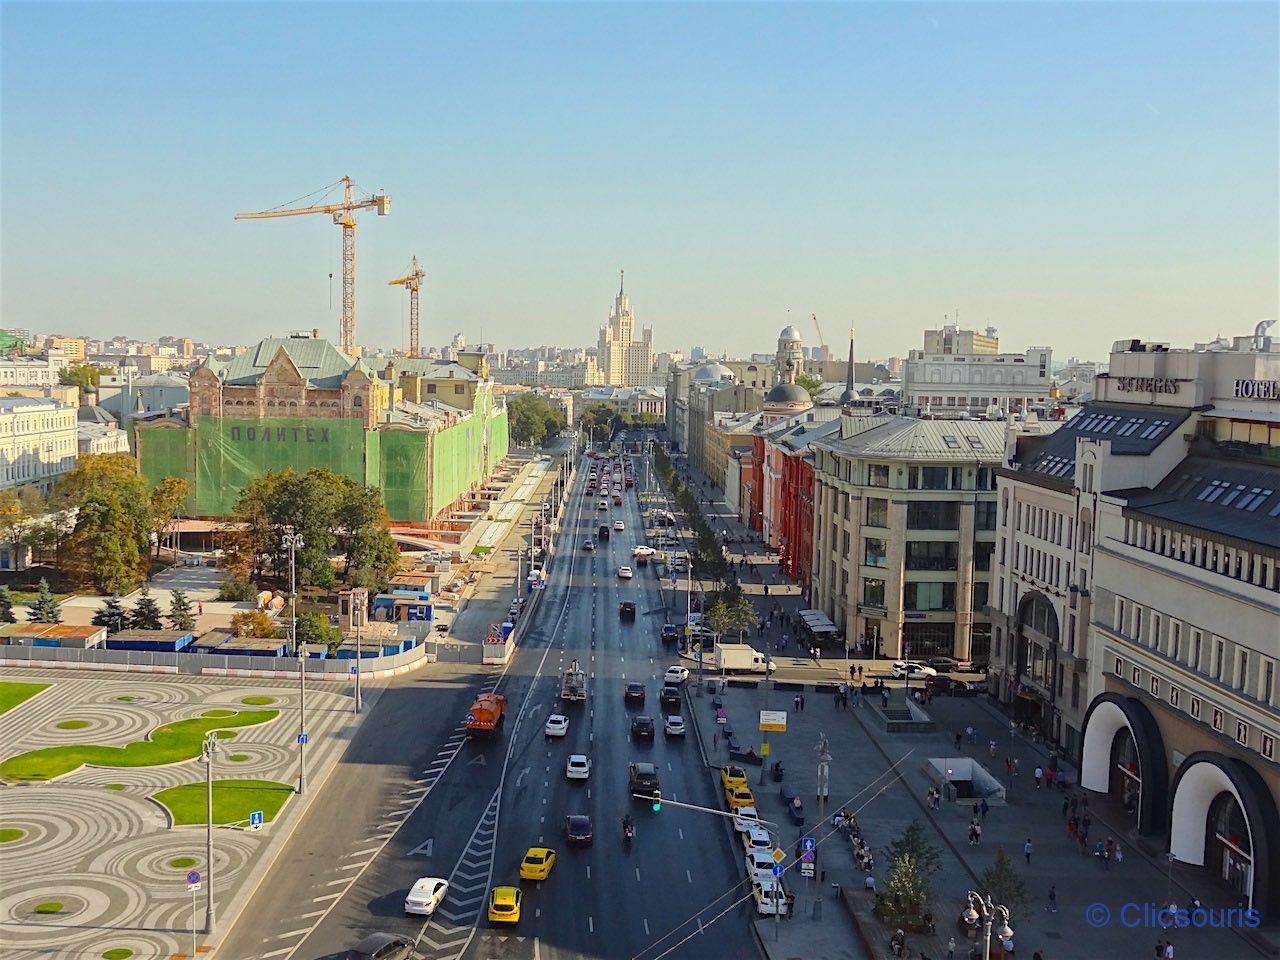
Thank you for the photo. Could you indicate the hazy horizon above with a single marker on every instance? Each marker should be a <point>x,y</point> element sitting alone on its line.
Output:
<point>1071,174</point>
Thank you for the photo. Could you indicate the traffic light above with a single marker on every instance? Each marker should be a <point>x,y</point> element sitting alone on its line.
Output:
<point>657,800</point>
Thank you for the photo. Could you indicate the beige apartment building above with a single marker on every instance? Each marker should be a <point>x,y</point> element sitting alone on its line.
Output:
<point>904,532</point>
<point>37,441</point>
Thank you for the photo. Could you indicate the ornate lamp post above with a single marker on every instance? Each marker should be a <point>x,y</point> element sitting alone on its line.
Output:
<point>981,908</point>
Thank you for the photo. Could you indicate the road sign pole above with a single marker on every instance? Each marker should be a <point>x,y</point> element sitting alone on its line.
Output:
<point>194,928</point>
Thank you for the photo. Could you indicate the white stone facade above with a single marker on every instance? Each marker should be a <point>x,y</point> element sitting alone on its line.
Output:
<point>37,441</point>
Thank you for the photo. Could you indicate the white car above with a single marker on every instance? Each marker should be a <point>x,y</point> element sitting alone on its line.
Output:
<point>757,838</point>
<point>557,725</point>
<point>619,525</point>
<point>912,670</point>
<point>760,866</point>
<point>770,897</point>
<point>673,726</point>
<point>745,819</point>
<point>675,676</point>
<point>640,550</point>
<point>425,895</point>
<point>602,505</point>
<point>624,573</point>
<point>577,767</point>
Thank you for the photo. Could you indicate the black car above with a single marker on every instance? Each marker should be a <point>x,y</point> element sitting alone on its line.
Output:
<point>642,727</point>
<point>382,946</point>
<point>577,829</point>
<point>670,632</point>
<point>669,699</point>
<point>943,664</point>
<point>603,532</point>
<point>626,610</point>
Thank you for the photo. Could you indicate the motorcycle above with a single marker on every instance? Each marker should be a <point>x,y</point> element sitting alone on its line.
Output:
<point>628,832</point>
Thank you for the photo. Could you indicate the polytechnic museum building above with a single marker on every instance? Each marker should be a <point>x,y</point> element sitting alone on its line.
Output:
<point>1136,609</point>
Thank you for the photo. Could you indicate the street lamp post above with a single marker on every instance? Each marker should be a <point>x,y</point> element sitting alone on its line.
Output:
<point>981,908</point>
<point>359,610</point>
<point>293,542</point>
<point>207,753</point>
<point>1013,728</point>
<point>302,720</point>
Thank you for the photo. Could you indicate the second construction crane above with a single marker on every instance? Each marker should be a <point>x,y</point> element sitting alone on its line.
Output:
<point>344,216</point>
<point>411,281</point>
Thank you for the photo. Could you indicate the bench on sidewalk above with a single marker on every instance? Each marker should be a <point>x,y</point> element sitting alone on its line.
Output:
<point>748,756</point>
<point>789,798</point>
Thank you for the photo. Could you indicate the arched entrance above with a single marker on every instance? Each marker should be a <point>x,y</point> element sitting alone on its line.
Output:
<point>1224,819</point>
<point>1123,757</point>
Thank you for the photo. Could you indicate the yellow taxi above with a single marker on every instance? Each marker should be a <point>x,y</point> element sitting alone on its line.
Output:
<point>739,797</point>
<point>537,863</point>
<point>504,905</point>
<point>732,776</point>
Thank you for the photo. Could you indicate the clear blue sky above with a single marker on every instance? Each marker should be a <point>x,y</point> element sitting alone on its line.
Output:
<point>1071,173</point>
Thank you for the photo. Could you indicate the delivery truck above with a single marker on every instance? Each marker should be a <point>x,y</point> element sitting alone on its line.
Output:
<point>740,658</point>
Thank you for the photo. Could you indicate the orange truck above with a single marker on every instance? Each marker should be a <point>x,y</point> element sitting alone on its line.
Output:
<point>486,716</point>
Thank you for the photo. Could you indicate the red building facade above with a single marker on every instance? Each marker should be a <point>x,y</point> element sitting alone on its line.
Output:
<point>795,518</point>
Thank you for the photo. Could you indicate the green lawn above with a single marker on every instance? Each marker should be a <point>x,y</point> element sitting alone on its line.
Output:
<point>233,801</point>
<point>257,701</point>
<point>10,834</point>
<point>118,953</point>
<point>13,693</point>
<point>172,743</point>
<point>71,724</point>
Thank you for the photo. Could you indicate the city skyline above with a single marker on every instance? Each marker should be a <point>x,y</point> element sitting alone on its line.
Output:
<point>1068,174</point>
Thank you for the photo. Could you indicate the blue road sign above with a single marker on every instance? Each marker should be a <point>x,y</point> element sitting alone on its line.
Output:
<point>255,818</point>
<point>808,843</point>
<point>193,876</point>
<point>471,718</point>
<point>779,869</point>
<point>302,739</point>
<point>808,856</point>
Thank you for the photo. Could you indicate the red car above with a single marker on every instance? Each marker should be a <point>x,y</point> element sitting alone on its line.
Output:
<point>634,693</point>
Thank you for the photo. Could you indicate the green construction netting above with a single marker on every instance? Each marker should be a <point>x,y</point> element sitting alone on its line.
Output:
<point>455,463</point>
<point>499,442</point>
<point>404,473</point>
<point>232,452</point>
<point>164,452</point>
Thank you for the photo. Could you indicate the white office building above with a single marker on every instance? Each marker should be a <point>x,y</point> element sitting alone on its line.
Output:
<point>981,385</point>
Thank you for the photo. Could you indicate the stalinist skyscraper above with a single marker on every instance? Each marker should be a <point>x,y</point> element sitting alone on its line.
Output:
<point>625,361</point>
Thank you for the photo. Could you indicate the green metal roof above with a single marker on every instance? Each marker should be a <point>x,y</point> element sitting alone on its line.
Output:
<point>323,364</point>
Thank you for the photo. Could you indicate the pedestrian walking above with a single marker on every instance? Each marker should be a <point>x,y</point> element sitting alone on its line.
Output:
<point>200,608</point>
<point>986,808</point>
<point>1086,821</point>
<point>1065,807</point>
<point>1159,954</point>
<point>859,671</point>
<point>973,733</point>
<point>951,949</point>
<point>1049,776</point>
<point>1053,899</point>
<point>977,829</point>
<point>1072,824</point>
<point>884,696</point>
<point>1168,950</point>
<point>973,835</point>
<point>958,737</point>
<point>796,701</point>
<point>1026,850</point>
<point>992,745</point>
<point>1038,775</point>
<point>1119,854</point>
<point>802,703</point>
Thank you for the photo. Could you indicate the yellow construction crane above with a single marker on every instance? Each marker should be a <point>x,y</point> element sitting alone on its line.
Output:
<point>343,216</point>
<point>412,281</point>
<point>822,341</point>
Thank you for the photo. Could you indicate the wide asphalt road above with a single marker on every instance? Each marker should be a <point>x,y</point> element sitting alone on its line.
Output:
<point>671,893</point>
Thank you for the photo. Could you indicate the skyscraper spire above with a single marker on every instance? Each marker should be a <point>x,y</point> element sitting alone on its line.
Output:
<point>850,394</point>
<point>622,275</point>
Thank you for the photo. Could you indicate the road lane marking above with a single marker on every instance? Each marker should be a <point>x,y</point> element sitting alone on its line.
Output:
<point>700,930</point>
<point>360,853</point>
<point>646,928</point>
<point>681,832</point>
<point>588,871</point>
<point>327,896</point>
<point>637,874</point>
<point>276,953</point>
<point>334,883</point>
<point>591,924</point>
<point>292,933</point>
<point>313,913</point>
<point>688,876</point>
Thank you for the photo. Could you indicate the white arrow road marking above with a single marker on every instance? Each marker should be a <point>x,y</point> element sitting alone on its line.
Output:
<point>424,848</point>
<point>520,776</point>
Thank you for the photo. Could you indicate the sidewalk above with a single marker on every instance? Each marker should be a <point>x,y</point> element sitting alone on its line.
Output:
<point>880,775</point>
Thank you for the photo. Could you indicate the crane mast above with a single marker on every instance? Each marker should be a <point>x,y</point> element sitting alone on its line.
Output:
<point>344,216</point>
<point>412,281</point>
<point>822,341</point>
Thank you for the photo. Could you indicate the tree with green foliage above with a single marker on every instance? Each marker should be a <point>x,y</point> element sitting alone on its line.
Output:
<point>6,605</point>
<point>253,623</point>
<point>81,375</point>
<point>146,613</point>
<point>106,540</point>
<point>181,616</point>
<point>731,612</point>
<point>1002,882</point>
<point>112,614</point>
<point>811,383</point>
<point>236,591</point>
<point>167,499</point>
<point>364,528</point>
<point>19,510</point>
<point>316,628</point>
<point>912,862</point>
<point>532,418</point>
<point>45,607</point>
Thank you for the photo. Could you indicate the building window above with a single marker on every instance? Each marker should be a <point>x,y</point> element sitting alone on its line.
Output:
<point>1242,733</point>
<point>1174,696</point>
<point>981,595</point>
<point>1218,719</point>
<point>931,555</point>
<point>1175,640</point>
<point>1266,689</point>
<point>933,515</point>
<point>875,553</point>
<point>1268,747</point>
<point>1195,707</point>
<point>929,596</point>
<point>982,551</point>
<point>878,475</point>
<point>877,512</point>
<point>1219,657</point>
<point>928,478</point>
<point>1197,640</point>
<point>1122,624</point>
<point>984,515</point>
<point>873,592</point>
<point>1242,670</point>
<point>1137,624</point>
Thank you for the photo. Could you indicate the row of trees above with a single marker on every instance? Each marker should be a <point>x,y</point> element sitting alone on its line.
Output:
<point>98,524</point>
<point>333,515</point>
<point>146,613</point>
<point>531,418</point>
<point>913,860</point>
<point>710,555</point>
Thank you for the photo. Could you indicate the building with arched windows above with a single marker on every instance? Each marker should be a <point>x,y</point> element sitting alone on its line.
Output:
<point>1137,603</point>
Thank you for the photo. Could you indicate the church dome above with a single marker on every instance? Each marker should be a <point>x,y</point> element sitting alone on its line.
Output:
<point>789,333</point>
<point>789,393</point>
<point>712,373</point>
